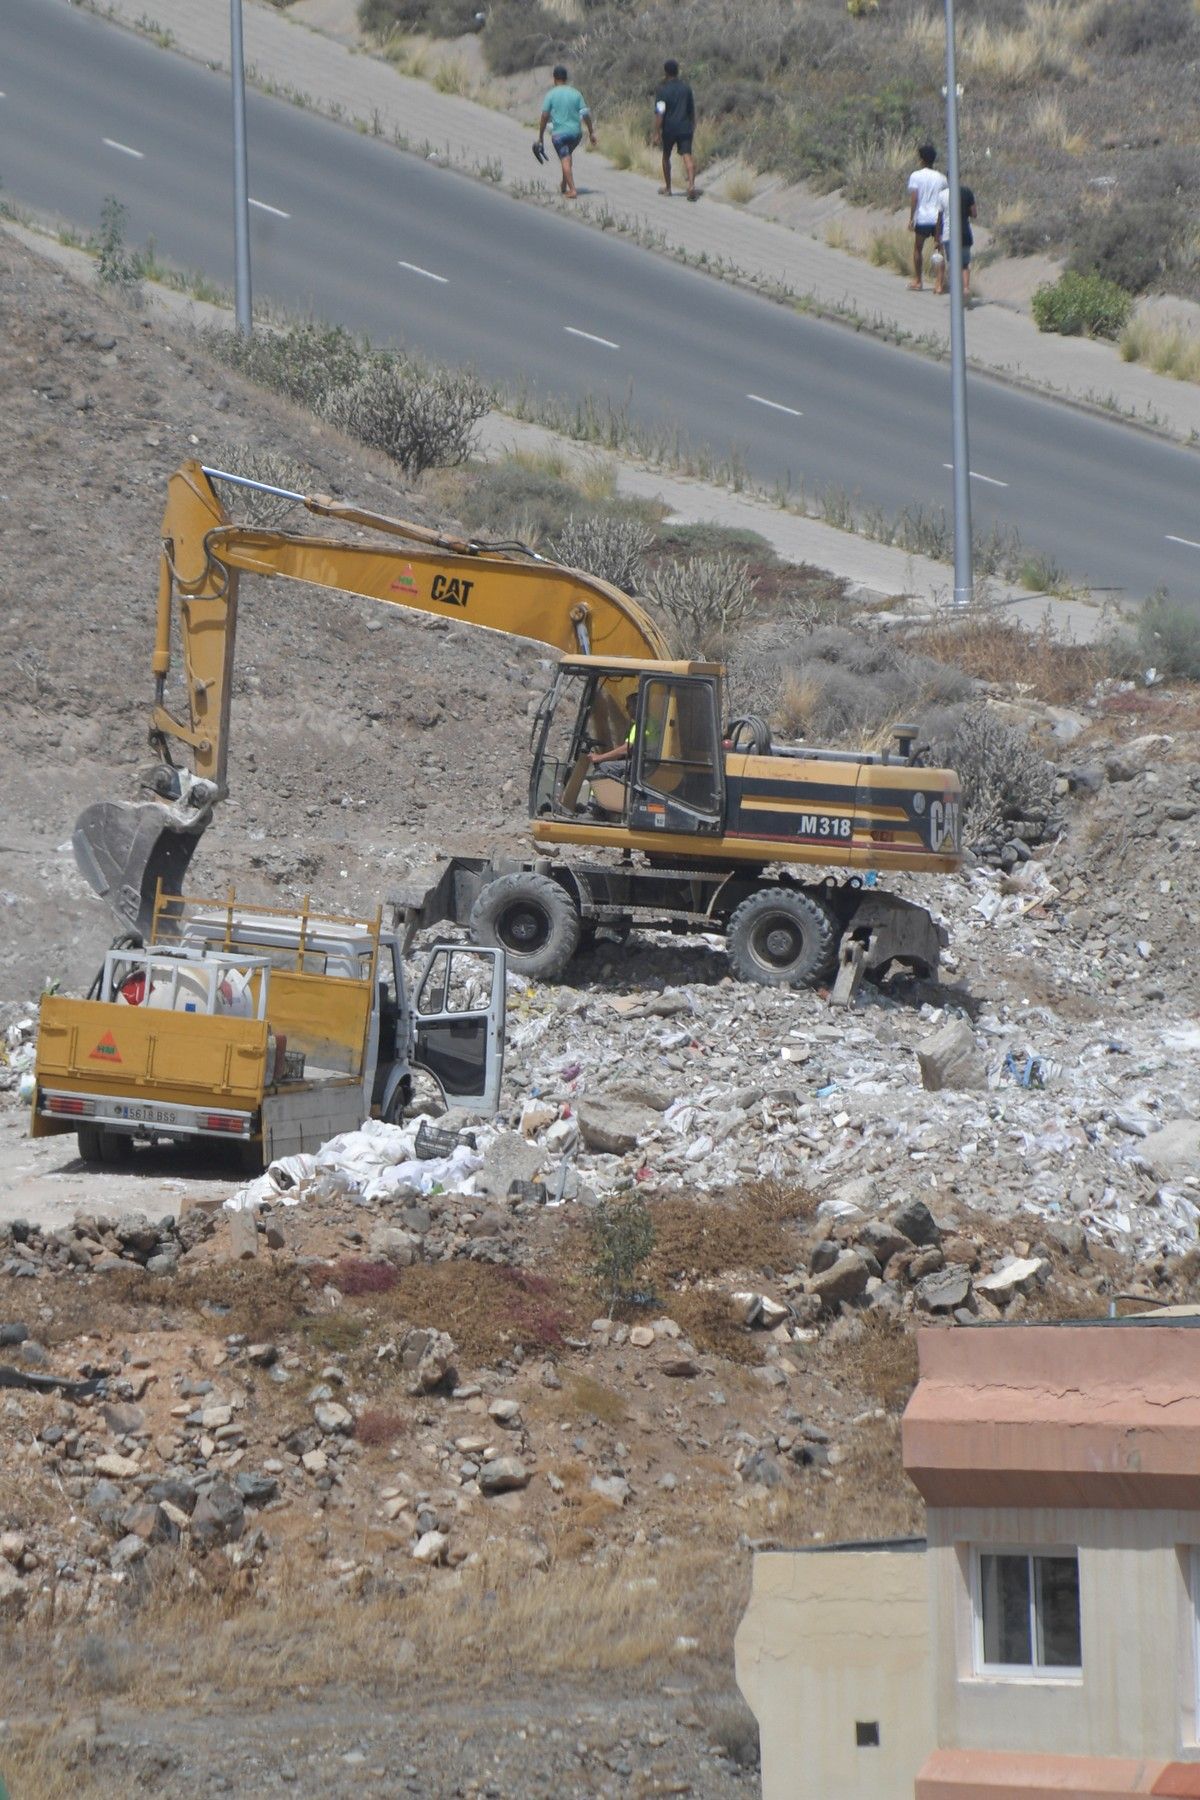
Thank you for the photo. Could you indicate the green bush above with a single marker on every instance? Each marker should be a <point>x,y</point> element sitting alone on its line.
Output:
<point>305,362</point>
<point>1168,635</point>
<point>520,34</point>
<point>622,1234</point>
<point>1082,305</point>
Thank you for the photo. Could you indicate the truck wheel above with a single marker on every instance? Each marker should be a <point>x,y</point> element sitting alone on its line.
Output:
<point>99,1146</point>
<point>779,938</point>
<point>531,919</point>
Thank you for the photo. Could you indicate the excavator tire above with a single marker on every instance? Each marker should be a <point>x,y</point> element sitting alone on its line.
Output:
<point>531,919</point>
<point>779,938</point>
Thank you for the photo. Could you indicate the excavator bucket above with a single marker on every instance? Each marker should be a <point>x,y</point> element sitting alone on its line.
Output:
<point>123,849</point>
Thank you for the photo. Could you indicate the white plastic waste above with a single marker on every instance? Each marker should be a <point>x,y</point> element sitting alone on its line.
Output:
<point>376,1162</point>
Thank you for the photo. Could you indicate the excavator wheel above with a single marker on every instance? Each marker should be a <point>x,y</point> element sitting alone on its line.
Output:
<point>531,919</point>
<point>780,938</point>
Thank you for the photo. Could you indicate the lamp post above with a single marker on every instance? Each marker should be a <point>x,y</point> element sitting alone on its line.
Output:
<point>963,571</point>
<point>241,192</point>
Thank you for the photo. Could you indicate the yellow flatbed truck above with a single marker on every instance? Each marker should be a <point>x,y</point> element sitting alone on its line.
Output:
<point>269,1029</point>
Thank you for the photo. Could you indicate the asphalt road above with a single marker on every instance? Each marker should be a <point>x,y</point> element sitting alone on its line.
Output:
<point>351,230</point>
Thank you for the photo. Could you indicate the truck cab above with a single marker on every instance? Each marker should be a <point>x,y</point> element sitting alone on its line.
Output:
<point>276,1030</point>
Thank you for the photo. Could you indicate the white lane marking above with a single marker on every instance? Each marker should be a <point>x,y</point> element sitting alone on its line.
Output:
<point>125,149</point>
<point>592,338</point>
<point>775,405</point>
<point>416,269</point>
<point>1190,542</point>
<point>976,476</point>
<point>276,211</point>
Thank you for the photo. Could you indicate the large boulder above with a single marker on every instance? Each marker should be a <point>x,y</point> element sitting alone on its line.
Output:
<point>613,1127</point>
<point>951,1058</point>
<point>503,1475</point>
<point>845,1280</point>
<point>427,1358</point>
<point>945,1291</point>
<point>915,1222</point>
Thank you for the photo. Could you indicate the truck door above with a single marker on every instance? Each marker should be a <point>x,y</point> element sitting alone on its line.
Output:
<point>458,1024</point>
<point>678,767</point>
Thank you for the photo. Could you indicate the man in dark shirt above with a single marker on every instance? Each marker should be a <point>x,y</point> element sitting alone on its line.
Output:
<point>674,124</point>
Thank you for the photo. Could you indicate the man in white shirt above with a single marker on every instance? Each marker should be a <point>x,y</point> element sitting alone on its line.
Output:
<point>925,186</point>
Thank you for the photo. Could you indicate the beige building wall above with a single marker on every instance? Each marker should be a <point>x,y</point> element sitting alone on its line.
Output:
<point>1137,1694</point>
<point>832,1639</point>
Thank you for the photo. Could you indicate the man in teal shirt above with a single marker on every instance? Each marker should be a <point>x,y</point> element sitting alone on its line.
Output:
<point>566,112</point>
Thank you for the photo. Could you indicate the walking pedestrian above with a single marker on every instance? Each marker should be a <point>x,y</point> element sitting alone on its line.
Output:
<point>945,227</point>
<point>925,186</point>
<point>566,112</point>
<point>675,125</point>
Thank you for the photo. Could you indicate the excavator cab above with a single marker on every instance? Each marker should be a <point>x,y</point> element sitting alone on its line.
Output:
<point>665,720</point>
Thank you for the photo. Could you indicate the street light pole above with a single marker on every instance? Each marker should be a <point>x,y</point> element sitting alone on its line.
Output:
<point>963,572</point>
<point>241,191</point>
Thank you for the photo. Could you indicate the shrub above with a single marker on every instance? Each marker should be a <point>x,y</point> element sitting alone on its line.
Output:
<point>377,1428</point>
<point>441,18</point>
<point>306,362</point>
<point>353,1275</point>
<point>1002,775</point>
<point>270,466</point>
<point>1168,635</point>
<point>421,418</point>
<point>1132,27</point>
<point>116,266</point>
<point>1126,245</point>
<point>613,548</point>
<point>1082,304</point>
<point>622,1233</point>
<point>703,597</point>
<point>520,34</point>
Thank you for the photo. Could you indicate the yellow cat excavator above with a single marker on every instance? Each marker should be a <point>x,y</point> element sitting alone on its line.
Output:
<point>669,814</point>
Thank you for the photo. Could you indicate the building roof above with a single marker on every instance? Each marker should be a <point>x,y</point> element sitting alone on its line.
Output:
<point>1058,1415</point>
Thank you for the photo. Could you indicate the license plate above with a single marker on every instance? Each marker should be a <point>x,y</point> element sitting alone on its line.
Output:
<point>146,1114</point>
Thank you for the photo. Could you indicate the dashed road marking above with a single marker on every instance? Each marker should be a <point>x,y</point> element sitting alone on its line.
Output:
<point>125,149</point>
<point>591,337</point>
<point>775,405</point>
<point>1190,543</point>
<point>416,269</point>
<point>276,212</point>
<point>976,476</point>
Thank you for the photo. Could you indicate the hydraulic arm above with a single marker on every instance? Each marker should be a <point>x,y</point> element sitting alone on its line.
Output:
<point>123,849</point>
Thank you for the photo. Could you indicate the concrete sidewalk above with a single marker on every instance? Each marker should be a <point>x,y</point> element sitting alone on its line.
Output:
<point>288,58</point>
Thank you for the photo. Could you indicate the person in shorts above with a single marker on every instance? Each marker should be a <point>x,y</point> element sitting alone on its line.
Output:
<point>674,126</point>
<point>567,114</point>
<point>944,235</point>
<point>925,186</point>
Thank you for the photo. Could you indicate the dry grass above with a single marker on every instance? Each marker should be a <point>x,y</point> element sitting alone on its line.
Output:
<point>1167,349</point>
<point>1048,124</point>
<point>891,249</point>
<point>879,1361</point>
<point>739,187</point>
<point>993,649</point>
<point>625,140</point>
<point>453,77</point>
<point>1012,56</point>
<point>800,700</point>
<point>588,1397</point>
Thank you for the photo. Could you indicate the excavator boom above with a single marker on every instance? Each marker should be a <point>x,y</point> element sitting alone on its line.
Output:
<point>125,849</point>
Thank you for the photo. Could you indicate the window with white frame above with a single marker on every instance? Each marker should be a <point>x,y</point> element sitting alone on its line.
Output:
<point>1027,1612</point>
